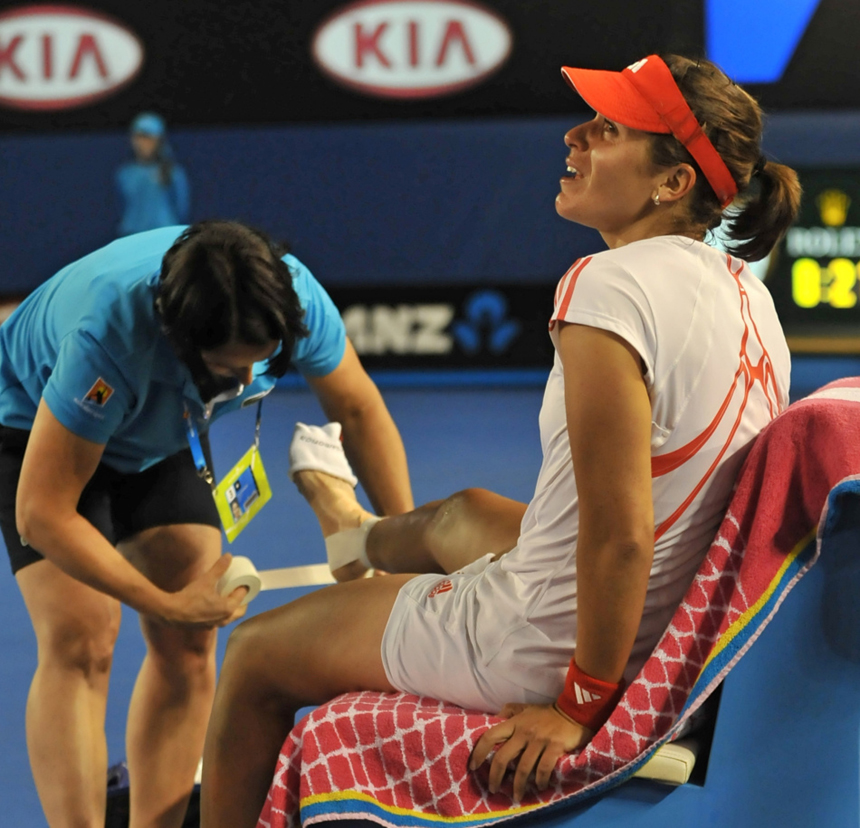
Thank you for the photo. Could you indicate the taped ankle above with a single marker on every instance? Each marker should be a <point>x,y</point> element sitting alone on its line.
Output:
<point>350,545</point>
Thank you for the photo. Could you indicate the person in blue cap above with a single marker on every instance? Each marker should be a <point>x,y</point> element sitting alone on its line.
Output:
<point>154,187</point>
<point>110,375</point>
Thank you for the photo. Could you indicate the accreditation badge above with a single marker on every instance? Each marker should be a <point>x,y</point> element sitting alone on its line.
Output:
<point>242,493</point>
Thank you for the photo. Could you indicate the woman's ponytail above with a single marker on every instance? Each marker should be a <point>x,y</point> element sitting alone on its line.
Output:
<point>768,209</point>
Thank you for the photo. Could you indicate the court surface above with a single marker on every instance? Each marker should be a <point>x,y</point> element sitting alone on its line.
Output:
<point>455,438</point>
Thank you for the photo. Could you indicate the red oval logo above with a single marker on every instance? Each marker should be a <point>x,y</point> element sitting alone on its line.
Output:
<point>62,57</point>
<point>411,48</point>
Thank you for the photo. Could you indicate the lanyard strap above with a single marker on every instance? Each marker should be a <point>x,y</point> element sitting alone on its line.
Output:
<point>197,447</point>
<point>257,425</point>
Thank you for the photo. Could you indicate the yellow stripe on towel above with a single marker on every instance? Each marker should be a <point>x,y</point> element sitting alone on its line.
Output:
<point>726,638</point>
<point>335,796</point>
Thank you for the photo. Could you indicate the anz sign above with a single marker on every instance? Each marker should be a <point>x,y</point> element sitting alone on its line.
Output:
<point>754,41</point>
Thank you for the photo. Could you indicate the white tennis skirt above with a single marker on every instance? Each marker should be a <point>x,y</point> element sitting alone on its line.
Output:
<point>429,647</point>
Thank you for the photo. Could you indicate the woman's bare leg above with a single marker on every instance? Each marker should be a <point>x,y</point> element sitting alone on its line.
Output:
<point>305,653</point>
<point>442,536</point>
<point>446,535</point>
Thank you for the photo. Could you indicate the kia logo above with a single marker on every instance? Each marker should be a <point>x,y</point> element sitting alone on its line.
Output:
<point>61,57</point>
<point>411,48</point>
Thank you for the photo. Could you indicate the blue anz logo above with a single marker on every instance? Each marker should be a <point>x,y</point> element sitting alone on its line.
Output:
<point>485,320</point>
<point>753,40</point>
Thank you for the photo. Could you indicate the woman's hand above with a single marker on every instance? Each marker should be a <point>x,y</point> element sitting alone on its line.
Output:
<point>536,733</point>
<point>199,604</point>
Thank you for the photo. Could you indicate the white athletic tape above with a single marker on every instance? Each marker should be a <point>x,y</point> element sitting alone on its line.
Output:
<point>240,573</point>
<point>294,576</point>
<point>243,573</point>
<point>350,545</point>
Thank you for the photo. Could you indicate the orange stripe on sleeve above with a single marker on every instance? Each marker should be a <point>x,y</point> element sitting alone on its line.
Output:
<point>563,301</point>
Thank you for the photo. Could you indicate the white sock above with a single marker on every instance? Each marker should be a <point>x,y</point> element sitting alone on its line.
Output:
<point>319,448</point>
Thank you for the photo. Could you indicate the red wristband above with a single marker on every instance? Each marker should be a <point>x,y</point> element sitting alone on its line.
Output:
<point>586,700</point>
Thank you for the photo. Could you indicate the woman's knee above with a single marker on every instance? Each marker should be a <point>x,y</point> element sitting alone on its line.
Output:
<point>268,637</point>
<point>471,523</point>
<point>240,643</point>
<point>76,627</point>
<point>248,659</point>
<point>455,512</point>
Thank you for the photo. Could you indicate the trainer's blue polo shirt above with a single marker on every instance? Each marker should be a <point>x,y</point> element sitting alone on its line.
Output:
<point>90,342</point>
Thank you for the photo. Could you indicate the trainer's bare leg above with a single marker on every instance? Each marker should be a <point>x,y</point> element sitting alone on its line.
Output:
<point>305,653</point>
<point>442,536</point>
<point>173,693</point>
<point>76,629</point>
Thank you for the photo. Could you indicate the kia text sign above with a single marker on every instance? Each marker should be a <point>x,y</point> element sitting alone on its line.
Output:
<point>411,48</point>
<point>60,57</point>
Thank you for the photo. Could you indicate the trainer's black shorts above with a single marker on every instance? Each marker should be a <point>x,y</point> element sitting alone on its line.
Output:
<point>118,505</point>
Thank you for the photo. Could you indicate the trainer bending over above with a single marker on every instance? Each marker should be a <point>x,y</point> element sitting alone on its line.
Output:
<point>669,359</point>
<point>102,369</point>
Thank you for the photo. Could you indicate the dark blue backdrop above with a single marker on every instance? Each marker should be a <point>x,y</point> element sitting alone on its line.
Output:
<point>362,204</point>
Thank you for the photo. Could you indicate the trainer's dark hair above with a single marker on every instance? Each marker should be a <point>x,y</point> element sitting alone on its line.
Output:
<point>223,281</point>
<point>768,193</point>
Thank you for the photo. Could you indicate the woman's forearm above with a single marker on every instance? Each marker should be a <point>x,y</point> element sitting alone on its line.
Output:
<point>612,581</point>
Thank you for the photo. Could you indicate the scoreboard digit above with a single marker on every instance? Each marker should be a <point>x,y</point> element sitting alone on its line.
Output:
<point>814,275</point>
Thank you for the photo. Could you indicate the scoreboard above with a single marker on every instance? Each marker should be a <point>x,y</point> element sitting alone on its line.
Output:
<point>814,274</point>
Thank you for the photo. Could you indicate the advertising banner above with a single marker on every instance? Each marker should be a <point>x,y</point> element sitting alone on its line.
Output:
<point>456,326</point>
<point>96,64</point>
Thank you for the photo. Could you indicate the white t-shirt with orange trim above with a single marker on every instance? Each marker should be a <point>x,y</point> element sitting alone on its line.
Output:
<point>717,371</point>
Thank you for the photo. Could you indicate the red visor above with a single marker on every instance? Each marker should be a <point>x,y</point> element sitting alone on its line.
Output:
<point>645,96</point>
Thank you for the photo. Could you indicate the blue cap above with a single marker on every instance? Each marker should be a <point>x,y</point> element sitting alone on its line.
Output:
<point>149,123</point>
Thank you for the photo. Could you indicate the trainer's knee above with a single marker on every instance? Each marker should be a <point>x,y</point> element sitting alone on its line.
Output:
<point>180,649</point>
<point>81,645</point>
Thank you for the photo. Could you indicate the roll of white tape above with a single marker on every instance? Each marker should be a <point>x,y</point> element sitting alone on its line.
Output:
<point>240,573</point>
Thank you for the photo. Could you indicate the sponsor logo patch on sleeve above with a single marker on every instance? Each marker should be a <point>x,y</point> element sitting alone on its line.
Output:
<point>99,394</point>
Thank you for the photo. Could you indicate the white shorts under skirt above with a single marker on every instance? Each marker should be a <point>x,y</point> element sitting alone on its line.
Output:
<point>427,651</point>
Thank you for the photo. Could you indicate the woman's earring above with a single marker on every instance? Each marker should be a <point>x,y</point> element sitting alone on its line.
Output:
<point>656,200</point>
